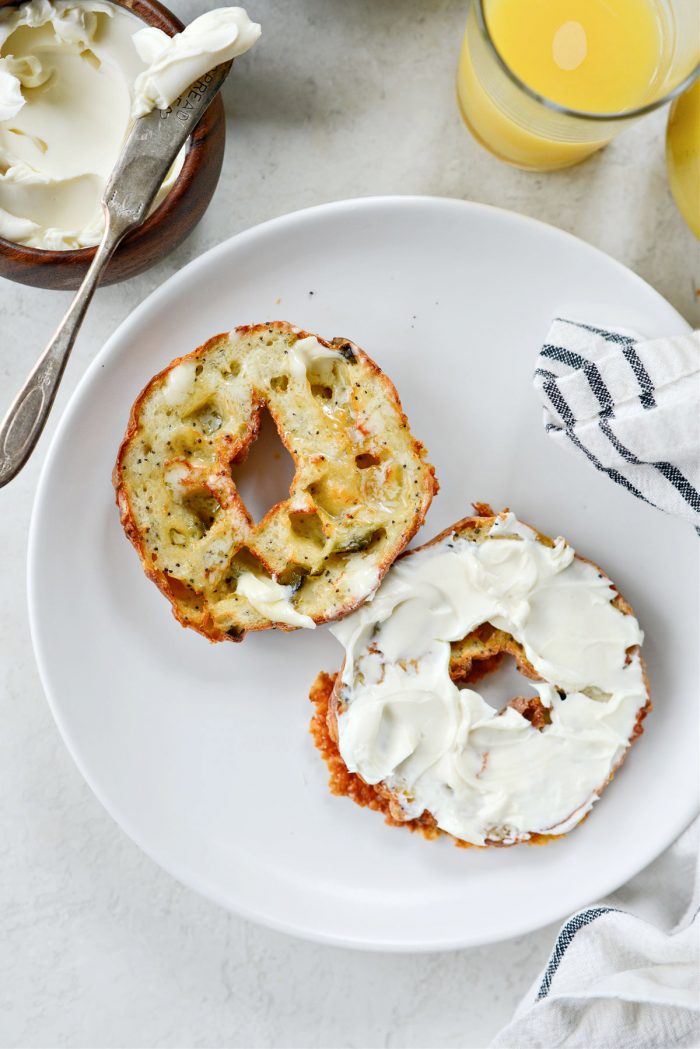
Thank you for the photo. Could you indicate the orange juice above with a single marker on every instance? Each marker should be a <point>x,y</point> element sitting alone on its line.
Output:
<point>594,56</point>
<point>683,155</point>
<point>599,56</point>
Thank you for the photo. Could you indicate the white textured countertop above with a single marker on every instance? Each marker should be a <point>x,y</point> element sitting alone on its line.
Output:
<point>98,947</point>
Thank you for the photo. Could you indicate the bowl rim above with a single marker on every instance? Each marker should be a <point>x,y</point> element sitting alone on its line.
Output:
<point>152,13</point>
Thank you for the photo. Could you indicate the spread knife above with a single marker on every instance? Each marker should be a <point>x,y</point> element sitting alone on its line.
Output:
<point>150,149</point>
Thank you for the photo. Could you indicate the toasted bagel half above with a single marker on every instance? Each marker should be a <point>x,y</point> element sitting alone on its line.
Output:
<point>360,492</point>
<point>485,751</point>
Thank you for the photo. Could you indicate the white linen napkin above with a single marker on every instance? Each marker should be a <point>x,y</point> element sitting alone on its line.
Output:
<point>630,405</point>
<point>624,974</point>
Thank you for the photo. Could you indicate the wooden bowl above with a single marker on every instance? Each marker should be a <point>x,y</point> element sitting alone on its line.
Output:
<point>162,231</point>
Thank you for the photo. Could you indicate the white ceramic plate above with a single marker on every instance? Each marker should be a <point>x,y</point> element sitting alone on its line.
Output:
<point>201,752</point>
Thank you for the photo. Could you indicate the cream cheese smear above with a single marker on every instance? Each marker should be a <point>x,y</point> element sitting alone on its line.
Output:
<point>74,76</point>
<point>487,775</point>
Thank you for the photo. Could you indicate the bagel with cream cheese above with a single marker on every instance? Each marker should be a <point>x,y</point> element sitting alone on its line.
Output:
<point>360,492</point>
<point>403,727</point>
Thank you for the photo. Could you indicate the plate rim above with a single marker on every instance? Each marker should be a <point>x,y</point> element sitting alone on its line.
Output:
<point>109,349</point>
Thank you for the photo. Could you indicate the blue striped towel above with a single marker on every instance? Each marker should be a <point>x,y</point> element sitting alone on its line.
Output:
<point>631,406</point>
<point>624,973</point>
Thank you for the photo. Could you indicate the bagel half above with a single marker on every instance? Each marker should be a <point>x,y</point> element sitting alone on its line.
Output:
<point>360,492</point>
<point>470,659</point>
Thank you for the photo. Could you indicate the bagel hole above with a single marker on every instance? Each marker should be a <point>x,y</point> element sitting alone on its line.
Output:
<point>264,478</point>
<point>499,683</point>
<point>308,527</point>
<point>365,460</point>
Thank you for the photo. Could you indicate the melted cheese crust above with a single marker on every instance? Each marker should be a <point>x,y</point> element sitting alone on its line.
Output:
<point>360,491</point>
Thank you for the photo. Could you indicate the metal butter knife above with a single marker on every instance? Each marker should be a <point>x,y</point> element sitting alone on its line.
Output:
<point>152,146</point>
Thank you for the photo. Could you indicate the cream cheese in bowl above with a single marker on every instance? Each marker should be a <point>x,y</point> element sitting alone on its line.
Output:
<point>74,75</point>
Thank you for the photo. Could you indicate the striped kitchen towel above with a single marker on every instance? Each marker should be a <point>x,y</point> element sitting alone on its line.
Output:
<point>626,973</point>
<point>631,406</point>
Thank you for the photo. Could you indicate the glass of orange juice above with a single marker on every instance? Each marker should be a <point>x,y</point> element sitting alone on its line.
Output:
<point>544,83</point>
<point>683,155</point>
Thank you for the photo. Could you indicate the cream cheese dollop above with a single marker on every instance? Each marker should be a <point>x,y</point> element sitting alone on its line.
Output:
<point>272,599</point>
<point>175,62</point>
<point>486,775</point>
<point>178,384</point>
<point>68,100</point>
<point>311,356</point>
